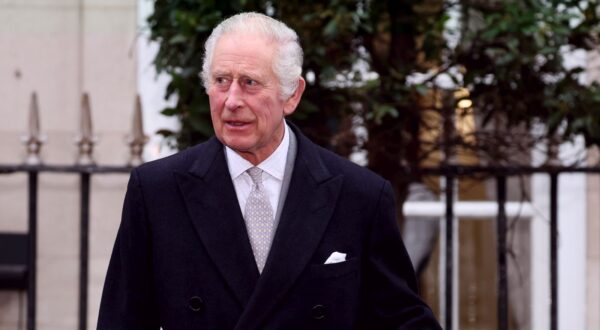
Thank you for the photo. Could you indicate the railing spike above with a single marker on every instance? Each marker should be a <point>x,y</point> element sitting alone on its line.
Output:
<point>33,140</point>
<point>34,116</point>
<point>86,139</point>
<point>137,139</point>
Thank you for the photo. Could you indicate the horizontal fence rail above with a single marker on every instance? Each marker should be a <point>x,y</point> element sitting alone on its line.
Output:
<point>466,209</point>
<point>76,169</point>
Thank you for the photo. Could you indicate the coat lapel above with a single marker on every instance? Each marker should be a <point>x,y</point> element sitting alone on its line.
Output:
<point>213,208</point>
<point>308,207</point>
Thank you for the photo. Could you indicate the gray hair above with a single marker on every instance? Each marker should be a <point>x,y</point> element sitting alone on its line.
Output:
<point>287,65</point>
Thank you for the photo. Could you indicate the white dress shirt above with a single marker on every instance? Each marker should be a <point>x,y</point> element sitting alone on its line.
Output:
<point>273,169</point>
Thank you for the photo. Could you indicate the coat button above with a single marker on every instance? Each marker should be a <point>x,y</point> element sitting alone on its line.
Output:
<point>318,312</point>
<point>196,303</point>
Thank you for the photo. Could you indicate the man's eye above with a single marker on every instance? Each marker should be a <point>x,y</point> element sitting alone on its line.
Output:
<point>220,80</point>
<point>251,82</point>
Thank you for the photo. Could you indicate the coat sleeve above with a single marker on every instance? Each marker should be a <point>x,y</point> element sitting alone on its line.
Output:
<point>129,299</point>
<point>390,287</point>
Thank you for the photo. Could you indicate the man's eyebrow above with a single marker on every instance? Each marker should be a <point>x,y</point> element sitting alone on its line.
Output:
<point>219,73</point>
<point>253,75</point>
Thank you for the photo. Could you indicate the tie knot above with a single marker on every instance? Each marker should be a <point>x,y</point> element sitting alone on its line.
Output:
<point>256,175</point>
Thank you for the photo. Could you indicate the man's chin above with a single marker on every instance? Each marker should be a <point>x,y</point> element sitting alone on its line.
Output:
<point>237,146</point>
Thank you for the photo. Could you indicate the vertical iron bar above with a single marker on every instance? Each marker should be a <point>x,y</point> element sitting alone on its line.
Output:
<point>32,249</point>
<point>501,249</point>
<point>553,251</point>
<point>449,249</point>
<point>84,249</point>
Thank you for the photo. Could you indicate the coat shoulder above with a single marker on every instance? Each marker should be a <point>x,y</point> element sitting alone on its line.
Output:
<point>182,161</point>
<point>355,175</point>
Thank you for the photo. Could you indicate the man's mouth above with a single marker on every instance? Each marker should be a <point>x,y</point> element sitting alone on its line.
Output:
<point>234,123</point>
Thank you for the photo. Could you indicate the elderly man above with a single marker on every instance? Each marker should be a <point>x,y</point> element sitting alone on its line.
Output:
<point>258,228</point>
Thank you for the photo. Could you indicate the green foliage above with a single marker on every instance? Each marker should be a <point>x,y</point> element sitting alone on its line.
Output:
<point>513,57</point>
<point>361,58</point>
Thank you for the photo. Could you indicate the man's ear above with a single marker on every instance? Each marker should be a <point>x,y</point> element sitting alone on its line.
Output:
<point>290,104</point>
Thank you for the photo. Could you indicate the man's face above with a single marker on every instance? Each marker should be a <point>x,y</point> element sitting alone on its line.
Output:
<point>246,109</point>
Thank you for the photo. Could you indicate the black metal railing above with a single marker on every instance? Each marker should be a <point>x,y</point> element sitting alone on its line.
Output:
<point>85,173</point>
<point>451,173</point>
<point>85,166</point>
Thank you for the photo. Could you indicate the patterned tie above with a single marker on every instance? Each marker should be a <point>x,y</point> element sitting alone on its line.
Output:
<point>259,218</point>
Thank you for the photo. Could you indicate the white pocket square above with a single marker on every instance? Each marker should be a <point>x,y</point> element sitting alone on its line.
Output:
<point>336,257</point>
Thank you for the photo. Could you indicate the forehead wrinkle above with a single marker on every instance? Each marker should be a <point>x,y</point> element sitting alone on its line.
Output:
<point>238,71</point>
<point>238,68</point>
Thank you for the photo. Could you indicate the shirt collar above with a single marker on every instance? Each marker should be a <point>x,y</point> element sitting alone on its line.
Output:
<point>274,165</point>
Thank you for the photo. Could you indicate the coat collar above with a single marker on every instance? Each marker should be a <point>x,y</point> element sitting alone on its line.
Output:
<point>215,214</point>
<point>309,204</point>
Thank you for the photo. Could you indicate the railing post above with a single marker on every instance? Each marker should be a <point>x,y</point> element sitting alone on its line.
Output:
<point>84,249</point>
<point>32,249</point>
<point>501,249</point>
<point>449,276</point>
<point>85,141</point>
<point>553,251</point>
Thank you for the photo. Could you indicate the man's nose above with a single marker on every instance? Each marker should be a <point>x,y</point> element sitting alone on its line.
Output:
<point>234,96</point>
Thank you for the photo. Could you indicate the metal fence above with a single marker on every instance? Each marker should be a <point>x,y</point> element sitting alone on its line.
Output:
<point>451,174</point>
<point>85,167</point>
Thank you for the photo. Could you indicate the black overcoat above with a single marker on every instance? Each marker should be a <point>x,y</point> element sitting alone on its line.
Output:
<point>182,258</point>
